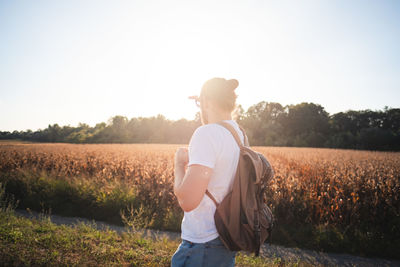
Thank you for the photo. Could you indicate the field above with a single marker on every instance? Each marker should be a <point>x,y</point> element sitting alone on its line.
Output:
<point>39,242</point>
<point>326,199</point>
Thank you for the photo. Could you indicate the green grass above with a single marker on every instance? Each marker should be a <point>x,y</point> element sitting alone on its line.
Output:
<point>26,242</point>
<point>87,198</point>
<point>39,242</point>
<point>69,197</point>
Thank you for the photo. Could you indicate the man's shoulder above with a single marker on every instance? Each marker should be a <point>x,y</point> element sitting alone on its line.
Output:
<point>215,132</point>
<point>204,131</point>
<point>207,129</point>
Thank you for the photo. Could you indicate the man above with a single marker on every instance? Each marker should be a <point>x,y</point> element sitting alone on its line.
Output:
<point>209,163</point>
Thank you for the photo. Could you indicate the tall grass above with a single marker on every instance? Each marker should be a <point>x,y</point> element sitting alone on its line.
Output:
<point>334,200</point>
<point>32,242</point>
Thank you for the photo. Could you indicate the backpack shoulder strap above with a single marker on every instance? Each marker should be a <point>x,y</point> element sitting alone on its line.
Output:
<point>246,140</point>
<point>211,197</point>
<point>235,134</point>
<point>238,141</point>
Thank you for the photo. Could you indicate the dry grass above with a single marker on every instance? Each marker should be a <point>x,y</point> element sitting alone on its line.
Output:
<point>322,198</point>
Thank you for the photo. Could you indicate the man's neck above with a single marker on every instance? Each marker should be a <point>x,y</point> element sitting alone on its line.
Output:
<point>214,118</point>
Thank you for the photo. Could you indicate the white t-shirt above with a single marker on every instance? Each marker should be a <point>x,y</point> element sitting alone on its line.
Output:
<point>212,146</point>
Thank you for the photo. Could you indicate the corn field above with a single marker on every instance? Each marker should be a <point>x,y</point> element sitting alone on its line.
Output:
<point>354,191</point>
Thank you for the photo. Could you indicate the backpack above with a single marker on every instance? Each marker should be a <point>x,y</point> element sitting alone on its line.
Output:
<point>243,220</point>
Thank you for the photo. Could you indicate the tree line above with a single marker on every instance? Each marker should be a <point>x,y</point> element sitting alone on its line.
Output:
<point>266,124</point>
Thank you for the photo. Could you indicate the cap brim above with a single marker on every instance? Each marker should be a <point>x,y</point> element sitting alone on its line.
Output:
<point>233,84</point>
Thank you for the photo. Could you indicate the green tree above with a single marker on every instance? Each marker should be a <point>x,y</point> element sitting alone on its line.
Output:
<point>263,123</point>
<point>306,124</point>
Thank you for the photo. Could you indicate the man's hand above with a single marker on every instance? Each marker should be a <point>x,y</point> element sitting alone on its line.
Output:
<point>181,157</point>
<point>181,161</point>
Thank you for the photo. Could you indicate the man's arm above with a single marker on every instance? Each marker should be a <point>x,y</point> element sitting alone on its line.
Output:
<point>190,185</point>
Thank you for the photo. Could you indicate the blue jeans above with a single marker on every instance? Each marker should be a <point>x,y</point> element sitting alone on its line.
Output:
<point>211,253</point>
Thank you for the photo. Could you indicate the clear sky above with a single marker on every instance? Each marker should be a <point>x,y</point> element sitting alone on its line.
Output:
<point>67,62</point>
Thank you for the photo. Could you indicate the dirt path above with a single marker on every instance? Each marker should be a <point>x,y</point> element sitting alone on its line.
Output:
<point>286,254</point>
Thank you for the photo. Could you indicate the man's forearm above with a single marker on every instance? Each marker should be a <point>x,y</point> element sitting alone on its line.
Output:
<point>179,172</point>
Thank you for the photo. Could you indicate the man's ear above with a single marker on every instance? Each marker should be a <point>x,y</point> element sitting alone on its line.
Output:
<point>206,103</point>
<point>211,105</point>
<point>203,100</point>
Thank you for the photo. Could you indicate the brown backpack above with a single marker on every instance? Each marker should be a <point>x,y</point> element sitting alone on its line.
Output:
<point>243,220</point>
